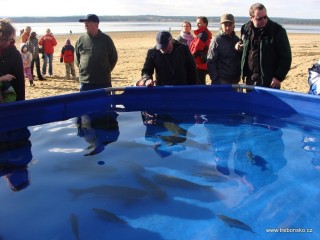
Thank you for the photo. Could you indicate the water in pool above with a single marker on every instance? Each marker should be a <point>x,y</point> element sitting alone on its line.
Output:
<point>144,175</point>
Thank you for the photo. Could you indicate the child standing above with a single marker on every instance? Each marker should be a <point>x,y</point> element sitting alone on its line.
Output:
<point>67,56</point>
<point>26,59</point>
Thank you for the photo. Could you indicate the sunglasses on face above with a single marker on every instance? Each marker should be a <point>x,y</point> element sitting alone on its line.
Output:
<point>261,18</point>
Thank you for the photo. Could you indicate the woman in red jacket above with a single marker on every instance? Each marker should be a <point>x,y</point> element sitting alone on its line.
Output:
<point>199,48</point>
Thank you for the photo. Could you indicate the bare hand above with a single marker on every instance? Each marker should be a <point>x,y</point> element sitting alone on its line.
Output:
<point>275,83</point>
<point>143,82</point>
<point>149,83</point>
<point>239,46</point>
<point>7,77</point>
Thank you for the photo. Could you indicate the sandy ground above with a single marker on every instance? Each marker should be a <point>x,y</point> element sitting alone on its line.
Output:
<point>132,48</point>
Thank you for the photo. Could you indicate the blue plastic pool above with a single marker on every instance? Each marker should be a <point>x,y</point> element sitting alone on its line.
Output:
<point>208,162</point>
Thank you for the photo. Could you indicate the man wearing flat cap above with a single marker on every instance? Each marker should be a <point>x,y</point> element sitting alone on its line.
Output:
<point>170,61</point>
<point>223,59</point>
<point>96,56</point>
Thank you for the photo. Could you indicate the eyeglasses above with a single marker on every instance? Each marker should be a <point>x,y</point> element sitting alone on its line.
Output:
<point>261,18</point>
<point>6,39</point>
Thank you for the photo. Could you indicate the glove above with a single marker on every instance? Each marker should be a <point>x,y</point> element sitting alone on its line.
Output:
<point>61,60</point>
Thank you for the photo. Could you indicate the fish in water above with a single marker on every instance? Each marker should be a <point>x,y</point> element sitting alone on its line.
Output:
<point>174,128</point>
<point>257,161</point>
<point>155,191</point>
<point>171,181</point>
<point>109,216</point>
<point>75,226</point>
<point>118,192</point>
<point>235,223</point>
<point>172,140</point>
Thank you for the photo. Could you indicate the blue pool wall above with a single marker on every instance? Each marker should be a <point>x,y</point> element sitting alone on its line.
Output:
<point>227,98</point>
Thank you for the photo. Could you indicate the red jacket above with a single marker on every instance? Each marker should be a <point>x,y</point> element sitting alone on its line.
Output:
<point>67,53</point>
<point>48,42</point>
<point>200,45</point>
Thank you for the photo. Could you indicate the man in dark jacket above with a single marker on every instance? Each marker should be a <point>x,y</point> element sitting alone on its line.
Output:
<point>266,57</point>
<point>171,61</point>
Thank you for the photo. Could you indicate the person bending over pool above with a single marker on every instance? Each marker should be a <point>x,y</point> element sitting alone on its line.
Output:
<point>170,61</point>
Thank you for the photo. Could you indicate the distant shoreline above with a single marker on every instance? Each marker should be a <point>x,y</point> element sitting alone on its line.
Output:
<point>61,28</point>
<point>155,18</point>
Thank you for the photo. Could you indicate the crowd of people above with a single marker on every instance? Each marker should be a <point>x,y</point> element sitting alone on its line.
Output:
<point>260,56</point>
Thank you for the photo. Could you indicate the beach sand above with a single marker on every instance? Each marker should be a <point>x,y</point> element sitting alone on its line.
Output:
<point>132,48</point>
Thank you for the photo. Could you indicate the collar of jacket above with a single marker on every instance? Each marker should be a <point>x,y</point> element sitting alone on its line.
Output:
<point>200,30</point>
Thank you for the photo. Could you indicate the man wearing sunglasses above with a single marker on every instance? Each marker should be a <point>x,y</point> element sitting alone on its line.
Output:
<point>266,52</point>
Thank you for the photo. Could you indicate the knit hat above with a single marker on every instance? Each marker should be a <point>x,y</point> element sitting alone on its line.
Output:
<point>227,18</point>
<point>68,42</point>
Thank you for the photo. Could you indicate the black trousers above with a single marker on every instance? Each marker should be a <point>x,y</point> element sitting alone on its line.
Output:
<point>36,61</point>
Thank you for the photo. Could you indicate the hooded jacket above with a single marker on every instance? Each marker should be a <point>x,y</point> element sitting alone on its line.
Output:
<point>200,45</point>
<point>48,42</point>
<point>67,52</point>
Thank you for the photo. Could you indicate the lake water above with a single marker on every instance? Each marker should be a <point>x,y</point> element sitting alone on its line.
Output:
<point>76,27</point>
<point>137,175</point>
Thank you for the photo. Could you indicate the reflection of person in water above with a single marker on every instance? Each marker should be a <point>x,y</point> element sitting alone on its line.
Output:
<point>257,150</point>
<point>15,154</point>
<point>99,130</point>
<point>165,132</point>
<point>311,144</point>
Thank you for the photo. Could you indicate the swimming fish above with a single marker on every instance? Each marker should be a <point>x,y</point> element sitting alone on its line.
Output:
<point>109,216</point>
<point>211,175</point>
<point>257,160</point>
<point>75,226</point>
<point>118,192</point>
<point>174,128</point>
<point>235,223</point>
<point>155,191</point>
<point>172,140</point>
<point>171,181</point>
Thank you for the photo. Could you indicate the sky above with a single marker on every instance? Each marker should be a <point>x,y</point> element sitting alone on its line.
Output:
<point>308,9</point>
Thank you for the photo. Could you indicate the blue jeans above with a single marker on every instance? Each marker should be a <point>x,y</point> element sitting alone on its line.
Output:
<point>45,61</point>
